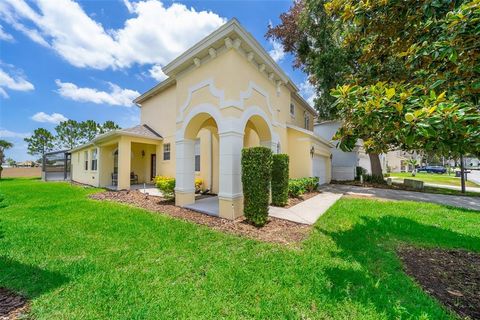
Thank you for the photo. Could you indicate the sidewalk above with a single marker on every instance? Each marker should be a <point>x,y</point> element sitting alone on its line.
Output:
<point>472,203</point>
<point>308,211</point>
<point>436,185</point>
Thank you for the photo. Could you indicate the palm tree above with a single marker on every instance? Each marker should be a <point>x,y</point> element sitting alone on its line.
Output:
<point>413,162</point>
<point>4,145</point>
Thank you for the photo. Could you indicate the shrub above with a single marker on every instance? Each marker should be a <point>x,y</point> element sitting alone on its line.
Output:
<point>256,177</point>
<point>297,187</point>
<point>373,179</point>
<point>280,179</point>
<point>166,185</point>
<point>359,171</point>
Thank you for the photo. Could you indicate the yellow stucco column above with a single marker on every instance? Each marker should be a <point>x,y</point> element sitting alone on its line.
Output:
<point>124,163</point>
<point>230,196</point>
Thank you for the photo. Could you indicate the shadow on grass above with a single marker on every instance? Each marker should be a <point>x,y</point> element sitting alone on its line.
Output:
<point>27,280</point>
<point>379,280</point>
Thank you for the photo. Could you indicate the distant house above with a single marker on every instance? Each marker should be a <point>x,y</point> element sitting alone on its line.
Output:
<point>344,163</point>
<point>223,94</point>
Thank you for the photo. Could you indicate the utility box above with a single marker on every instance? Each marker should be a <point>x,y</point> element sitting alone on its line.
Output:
<point>414,184</point>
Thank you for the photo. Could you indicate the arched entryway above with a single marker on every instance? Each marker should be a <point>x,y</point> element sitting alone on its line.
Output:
<point>257,132</point>
<point>231,135</point>
<point>198,159</point>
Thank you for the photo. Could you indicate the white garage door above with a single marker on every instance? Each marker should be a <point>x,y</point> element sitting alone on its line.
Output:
<point>320,168</point>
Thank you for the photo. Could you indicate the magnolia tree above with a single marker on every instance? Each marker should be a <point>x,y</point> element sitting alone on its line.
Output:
<point>410,70</point>
<point>403,116</point>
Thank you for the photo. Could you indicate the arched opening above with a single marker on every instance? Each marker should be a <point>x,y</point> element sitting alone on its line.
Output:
<point>202,148</point>
<point>257,133</point>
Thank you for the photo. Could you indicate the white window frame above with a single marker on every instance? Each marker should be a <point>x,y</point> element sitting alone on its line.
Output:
<point>306,121</point>
<point>94,164</point>
<point>85,160</point>
<point>167,151</point>
<point>197,154</point>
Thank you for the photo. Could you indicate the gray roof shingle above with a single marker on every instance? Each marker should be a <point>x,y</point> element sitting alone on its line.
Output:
<point>143,130</point>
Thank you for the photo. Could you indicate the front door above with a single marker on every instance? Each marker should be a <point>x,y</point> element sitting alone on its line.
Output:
<point>153,166</point>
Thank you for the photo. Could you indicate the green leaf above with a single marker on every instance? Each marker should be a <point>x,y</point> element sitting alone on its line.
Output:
<point>437,83</point>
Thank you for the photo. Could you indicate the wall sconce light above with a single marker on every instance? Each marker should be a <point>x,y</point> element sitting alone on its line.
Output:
<point>143,153</point>
<point>312,151</point>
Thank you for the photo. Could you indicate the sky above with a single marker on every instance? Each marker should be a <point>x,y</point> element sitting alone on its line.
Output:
<point>80,60</point>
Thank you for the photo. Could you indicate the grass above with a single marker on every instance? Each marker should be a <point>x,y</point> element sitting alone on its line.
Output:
<point>435,178</point>
<point>76,258</point>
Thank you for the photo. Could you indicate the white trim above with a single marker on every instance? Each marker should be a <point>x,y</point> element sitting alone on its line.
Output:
<point>223,103</point>
<point>210,109</point>
<point>311,134</point>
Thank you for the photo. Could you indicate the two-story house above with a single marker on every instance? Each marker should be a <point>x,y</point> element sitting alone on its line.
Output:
<point>223,94</point>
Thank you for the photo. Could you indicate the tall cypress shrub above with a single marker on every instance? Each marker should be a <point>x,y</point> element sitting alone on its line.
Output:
<point>280,180</point>
<point>256,177</point>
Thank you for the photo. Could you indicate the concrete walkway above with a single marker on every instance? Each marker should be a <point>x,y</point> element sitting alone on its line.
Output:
<point>472,203</point>
<point>445,186</point>
<point>308,211</point>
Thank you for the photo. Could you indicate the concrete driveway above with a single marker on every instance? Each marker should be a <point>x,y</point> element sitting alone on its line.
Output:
<point>474,176</point>
<point>472,203</point>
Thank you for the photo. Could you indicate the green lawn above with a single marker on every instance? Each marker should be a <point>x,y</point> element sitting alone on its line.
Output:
<point>433,178</point>
<point>77,258</point>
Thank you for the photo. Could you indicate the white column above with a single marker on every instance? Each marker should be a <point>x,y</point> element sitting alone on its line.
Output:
<point>230,154</point>
<point>230,194</point>
<point>184,172</point>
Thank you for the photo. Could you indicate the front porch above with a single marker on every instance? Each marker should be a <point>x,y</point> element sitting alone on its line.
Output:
<point>129,159</point>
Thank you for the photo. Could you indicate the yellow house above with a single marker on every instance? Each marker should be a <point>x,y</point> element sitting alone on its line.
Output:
<point>223,94</point>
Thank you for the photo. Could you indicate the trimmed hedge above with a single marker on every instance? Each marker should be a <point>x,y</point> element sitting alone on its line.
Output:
<point>297,187</point>
<point>256,177</point>
<point>166,185</point>
<point>280,180</point>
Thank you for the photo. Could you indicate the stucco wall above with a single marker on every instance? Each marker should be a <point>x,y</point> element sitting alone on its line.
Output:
<point>78,172</point>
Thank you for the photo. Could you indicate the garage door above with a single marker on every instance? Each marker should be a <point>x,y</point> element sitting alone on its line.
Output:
<point>320,168</point>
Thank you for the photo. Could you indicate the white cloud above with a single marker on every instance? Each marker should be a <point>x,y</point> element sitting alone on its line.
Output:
<point>4,133</point>
<point>13,80</point>
<point>115,97</point>
<point>55,118</point>
<point>5,36</point>
<point>156,73</point>
<point>307,91</point>
<point>154,35</point>
<point>277,52</point>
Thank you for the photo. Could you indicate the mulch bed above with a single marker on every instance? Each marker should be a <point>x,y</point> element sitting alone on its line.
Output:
<point>294,201</point>
<point>276,230</point>
<point>12,305</point>
<point>451,276</point>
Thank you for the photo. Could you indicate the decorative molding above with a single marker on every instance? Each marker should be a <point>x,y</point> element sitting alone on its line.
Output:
<point>228,42</point>
<point>210,109</point>
<point>261,67</point>
<point>212,52</point>
<point>197,62</point>
<point>250,56</point>
<point>237,43</point>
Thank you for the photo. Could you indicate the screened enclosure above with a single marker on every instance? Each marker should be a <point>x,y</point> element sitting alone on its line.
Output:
<point>56,166</point>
